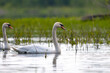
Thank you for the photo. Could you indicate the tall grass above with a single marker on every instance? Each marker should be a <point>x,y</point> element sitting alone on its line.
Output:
<point>77,31</point>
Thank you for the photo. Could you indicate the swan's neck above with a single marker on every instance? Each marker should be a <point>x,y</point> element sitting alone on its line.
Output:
<point>55,40</point>
<point>6,46</point>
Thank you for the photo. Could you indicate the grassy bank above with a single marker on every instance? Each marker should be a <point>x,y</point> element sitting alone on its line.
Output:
<point>51,11</point>
<point>77,31</point>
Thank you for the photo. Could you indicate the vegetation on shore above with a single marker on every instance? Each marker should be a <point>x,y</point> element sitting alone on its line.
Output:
<point>52,8</point>
<point>77,31</point>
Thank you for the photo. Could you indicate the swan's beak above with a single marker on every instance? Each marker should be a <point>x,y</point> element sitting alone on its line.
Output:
<point>10,27</point>
<point>63,27</point>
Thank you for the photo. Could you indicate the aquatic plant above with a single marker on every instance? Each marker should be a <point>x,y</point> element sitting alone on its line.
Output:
<point>77,31</point>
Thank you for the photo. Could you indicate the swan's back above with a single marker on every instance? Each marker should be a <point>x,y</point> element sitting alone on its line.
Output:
<point>33,49</point>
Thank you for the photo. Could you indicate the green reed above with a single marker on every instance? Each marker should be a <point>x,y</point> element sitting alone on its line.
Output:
<point>77,31</point>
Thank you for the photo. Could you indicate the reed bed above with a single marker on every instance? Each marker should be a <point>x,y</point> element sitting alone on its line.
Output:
<point>77,31</point>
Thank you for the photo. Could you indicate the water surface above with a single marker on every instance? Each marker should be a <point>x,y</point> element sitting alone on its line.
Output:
<point>81,58</point>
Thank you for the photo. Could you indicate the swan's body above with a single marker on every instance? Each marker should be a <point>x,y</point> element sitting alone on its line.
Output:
<point>1,46</point>
<point>34,49</point>
<point>5,25</point>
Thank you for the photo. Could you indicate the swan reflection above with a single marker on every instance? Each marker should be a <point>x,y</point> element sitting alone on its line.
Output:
<point>55,59</point>
<point>5,53</point>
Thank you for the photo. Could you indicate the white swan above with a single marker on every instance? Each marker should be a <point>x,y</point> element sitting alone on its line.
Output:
<point>1,46</point>
<point>34,49</point>
<point>4,26</point>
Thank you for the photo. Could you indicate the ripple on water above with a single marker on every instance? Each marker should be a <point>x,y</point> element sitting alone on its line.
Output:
<point>85,60</point>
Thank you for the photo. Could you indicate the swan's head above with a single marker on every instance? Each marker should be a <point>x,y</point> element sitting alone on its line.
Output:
<point>59,25</point>
<point>7,25</point>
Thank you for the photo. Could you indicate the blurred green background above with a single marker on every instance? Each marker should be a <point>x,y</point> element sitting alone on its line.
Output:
<point>52,8</point>
<point>35,18</point>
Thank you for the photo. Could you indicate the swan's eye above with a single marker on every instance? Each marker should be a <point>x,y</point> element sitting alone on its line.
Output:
<point>61,25</point>
<point>9,25</point>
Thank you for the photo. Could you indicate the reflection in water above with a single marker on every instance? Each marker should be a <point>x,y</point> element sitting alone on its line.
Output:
<point>76,48</point>
<point>5,53</point>
<point>54,59</point>
<point>77,60</point>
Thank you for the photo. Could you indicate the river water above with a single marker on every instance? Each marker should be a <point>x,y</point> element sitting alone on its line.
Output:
<point>85,58</point>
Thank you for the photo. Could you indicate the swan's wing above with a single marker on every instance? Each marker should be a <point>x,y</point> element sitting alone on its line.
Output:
<point>33,49</point>
<point>25,49</point>
<point>41,49</point>
<point>1,46</point>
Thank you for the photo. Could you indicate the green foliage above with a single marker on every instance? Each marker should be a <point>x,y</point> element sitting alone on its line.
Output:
<point>43,3</point>
<point>51,8</point>
<point>77,31</point>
